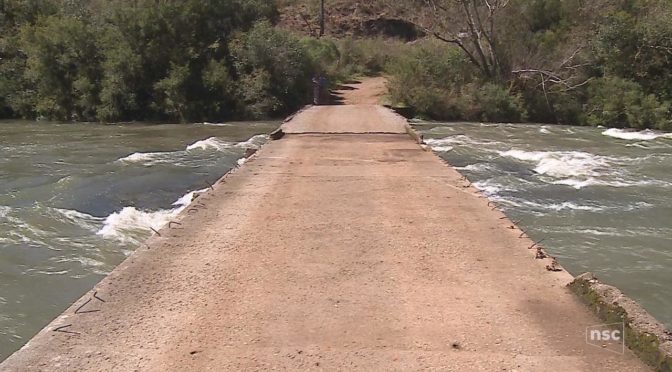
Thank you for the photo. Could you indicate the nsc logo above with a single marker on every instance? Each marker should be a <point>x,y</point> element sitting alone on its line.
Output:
<point>610,337</point>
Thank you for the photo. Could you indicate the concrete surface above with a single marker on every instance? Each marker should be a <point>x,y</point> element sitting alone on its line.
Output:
<point>354,119</point>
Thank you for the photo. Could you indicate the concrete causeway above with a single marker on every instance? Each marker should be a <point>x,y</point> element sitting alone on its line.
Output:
<point>342,246</point>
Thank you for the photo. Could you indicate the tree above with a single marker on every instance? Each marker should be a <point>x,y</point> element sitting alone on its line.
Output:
<point>172,92</point>
<point>472,25</point>
<point>63,63</point>
<point>617,102</point>
<point>497,36</point>
<point>274,62</point>
<point>638,47</point>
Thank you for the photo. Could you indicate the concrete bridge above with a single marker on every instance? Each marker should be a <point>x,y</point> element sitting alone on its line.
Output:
<point>342,246</point>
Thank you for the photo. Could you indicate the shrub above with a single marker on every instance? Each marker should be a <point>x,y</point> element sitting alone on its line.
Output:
<point>63,65</point>
<point>497,104</point>
<point>279,60</point>
<point>431,78</point>
<point>323,53</point>
<point>637,48</point>
<point>439,82</point>
<point>617,102</point>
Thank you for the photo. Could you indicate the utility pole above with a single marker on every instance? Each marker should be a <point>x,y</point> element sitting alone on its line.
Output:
<point>321,18</point>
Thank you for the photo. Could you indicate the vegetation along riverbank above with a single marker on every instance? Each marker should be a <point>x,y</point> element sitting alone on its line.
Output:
<point>603,62</point>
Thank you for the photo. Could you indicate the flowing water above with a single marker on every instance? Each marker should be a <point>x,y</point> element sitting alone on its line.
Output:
<point>602,199</point>
<point>75,200</point>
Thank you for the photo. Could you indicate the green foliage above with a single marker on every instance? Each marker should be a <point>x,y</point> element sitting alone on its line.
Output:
<point>342,60</point>
<point>617,102</point>
<point>431,78</point>
<point>184,60</point>
<point>323,53</point>
<point>638,48</point>
<point>439,82</point>
<point>570,61</point>
<point>63,66</point>
<point>368,57</point>
<point>195,60</point>
<point>544,15</point>
<point>16,96</point>
<point>172,91</point>
<point>221,87</point>
<point>498,104</point>
<point>277,66</point>
<point>122,73</point>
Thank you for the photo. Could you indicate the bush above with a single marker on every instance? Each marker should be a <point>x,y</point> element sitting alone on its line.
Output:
<point>140,60</point>
<point>637,48</point>
<point>63,65</point>
<point>368,57</point>
<point>496,104</point>
<point>324,54</point>
<point>439,82</point>
<point>278,65</point>
<point>431,78</point>
<point>617,102</point>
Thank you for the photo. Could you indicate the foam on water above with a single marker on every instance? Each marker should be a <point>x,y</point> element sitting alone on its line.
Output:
<point>128,224</point>
<point>25,233</point>
<point>524,155</point>
<point>181,156</point>
<point>186,199</point>
<point>149,158</point>
<point>489,188</point>
<point>592,181</point>
<point>442,148</point>
<point>478,167</point>
<point>448,143</point>
<point>573,206</point>
<point>211,143</point>
<point>123,225</point>
<point>562,164</point>
<point>80,219</point>
<point>645,135</point>
<point>601,202</point>
<point>218,124</point>
<point>4,211</point>
<point>214,143</point>
<point>443,144</point>
<point>254,142</point>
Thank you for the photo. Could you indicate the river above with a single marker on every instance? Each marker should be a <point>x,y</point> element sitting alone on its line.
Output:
<point>76,199</point>
<point>601,198</point>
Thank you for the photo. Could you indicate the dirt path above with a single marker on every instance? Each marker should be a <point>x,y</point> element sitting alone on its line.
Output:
<point>330,252</point>
<point>367,91</point>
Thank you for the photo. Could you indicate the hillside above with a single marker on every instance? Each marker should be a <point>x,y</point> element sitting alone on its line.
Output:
<point>345,18</point>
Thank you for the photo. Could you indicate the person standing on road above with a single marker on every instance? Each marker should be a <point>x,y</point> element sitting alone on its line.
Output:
<point>319,89</point>
<point>316,90</point>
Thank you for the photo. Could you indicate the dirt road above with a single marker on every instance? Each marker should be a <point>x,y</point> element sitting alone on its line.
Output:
<point>330,252</point>
<point>365,91</point>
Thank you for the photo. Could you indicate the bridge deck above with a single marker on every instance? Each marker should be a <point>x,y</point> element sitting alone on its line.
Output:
<point>331,252</point>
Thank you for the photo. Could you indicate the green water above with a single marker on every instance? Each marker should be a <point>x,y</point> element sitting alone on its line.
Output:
<point>75,200</point>
<point>601,198</point>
